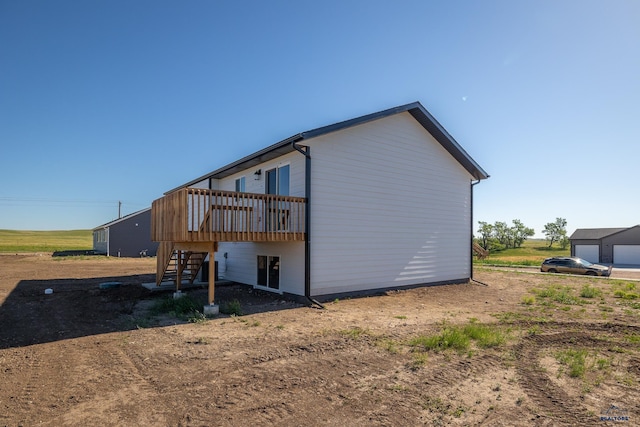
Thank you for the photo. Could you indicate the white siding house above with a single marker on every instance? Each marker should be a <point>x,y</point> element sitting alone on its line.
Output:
<point>390,207</point>
<point>388,202</point>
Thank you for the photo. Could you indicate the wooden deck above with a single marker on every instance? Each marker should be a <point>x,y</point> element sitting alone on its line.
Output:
<point>190,222</point>
<point>201,215</point>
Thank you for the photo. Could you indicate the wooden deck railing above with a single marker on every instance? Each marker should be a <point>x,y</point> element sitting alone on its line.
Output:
<point>201,215</point>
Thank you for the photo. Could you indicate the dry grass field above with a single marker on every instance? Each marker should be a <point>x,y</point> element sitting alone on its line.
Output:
<point>520,349</point>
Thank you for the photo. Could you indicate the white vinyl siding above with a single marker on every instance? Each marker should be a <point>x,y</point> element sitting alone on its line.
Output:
<point>241,263</point>
<point>296,175</point>
<point>389,207</point>
<point>100,243</point>
<point>201,184</point>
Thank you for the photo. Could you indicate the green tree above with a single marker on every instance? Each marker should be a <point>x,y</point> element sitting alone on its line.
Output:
<point>498,236</point>
<point>520,233</point>
<point>502,232</point>
<point>486,234</point>
<point>556,231</point>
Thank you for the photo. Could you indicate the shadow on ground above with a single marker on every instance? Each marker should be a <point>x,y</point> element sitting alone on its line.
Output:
<point>79,307</point>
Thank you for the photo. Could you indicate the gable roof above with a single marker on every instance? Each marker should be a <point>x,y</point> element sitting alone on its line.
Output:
<point>285,146</point>
<point>594,233</point>
<point>124,218</point>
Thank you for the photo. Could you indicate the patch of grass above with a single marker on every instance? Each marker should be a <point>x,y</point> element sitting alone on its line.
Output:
<point>354,333</point>
<point>448,338</point>
<point>485,336</point>
<point>506,262</point>
<point>559,294</point>
<point>630,286</point>
<point>390,345</point>
<point>183,308</point>
<point>528,300</point>
<point>197,317</point>
<point>574,360</point>
<point>619,293</point>
<point>624,290</point>
<point>603,364</point>
<point>534,330</point>
<point>418,360</point>
<point>435,404</point>
<point>531,253</point>
<point>458,412</point>
<point>627,379</point>
<point>45,241</point>
<point>589,291</point>
<point>632,338</point>
<point>459,338</point>
<point>231,308</point>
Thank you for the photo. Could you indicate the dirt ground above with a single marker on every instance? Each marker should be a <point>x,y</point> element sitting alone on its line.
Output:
<point>85,356</point>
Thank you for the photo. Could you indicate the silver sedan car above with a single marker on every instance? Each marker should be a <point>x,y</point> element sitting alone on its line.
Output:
<point>574,265</point>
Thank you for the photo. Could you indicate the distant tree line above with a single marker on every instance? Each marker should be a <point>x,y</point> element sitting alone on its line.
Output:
<point>499,235</point>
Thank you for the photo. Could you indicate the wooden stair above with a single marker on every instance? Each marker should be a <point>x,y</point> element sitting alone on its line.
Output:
<point>172,261</point>
<point>481,252</point>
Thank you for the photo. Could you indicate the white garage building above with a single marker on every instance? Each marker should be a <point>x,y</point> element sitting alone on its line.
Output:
<point>619,246</point>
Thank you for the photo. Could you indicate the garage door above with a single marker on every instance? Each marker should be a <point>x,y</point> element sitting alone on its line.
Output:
<point>589,252</point>
<point>626,254</point>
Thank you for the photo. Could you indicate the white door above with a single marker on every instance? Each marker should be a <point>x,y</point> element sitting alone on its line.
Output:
<point>589,252</point>
<point>626,254</point>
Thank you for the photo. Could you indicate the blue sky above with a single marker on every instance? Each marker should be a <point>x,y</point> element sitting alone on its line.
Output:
<point>108,101</point>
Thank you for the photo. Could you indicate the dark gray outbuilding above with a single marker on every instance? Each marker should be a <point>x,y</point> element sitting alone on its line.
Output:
<point>619,246</point>
<point>129,236</point>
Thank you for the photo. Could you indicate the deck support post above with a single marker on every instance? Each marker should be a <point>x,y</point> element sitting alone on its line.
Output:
<point>212,276</point>
<point>178,270</point>
<point>212,309</point>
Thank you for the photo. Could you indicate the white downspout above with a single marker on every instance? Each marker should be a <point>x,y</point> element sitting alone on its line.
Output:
<point>106,232</point>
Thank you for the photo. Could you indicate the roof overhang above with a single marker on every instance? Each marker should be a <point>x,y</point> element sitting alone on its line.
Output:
<point>417,111</point>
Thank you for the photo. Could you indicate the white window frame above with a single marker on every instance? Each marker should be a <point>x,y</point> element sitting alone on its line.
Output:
<point>242,183</point>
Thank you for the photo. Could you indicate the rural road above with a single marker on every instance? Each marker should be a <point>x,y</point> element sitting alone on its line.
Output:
<point>616,272</point>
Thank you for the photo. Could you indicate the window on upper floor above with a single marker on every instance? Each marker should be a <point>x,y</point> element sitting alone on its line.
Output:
<point>241,185</point>
<point>277,181</point>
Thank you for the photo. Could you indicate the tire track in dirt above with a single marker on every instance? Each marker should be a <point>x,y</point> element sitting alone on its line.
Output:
<point>552,401</point>
<point>33,401</point>
<point>32,365</point>
<point>267,383</point>
<point>445,377</point>
<point>103,364</point>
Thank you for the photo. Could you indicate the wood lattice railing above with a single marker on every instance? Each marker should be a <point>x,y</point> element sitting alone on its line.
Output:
<point>201,215</point>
